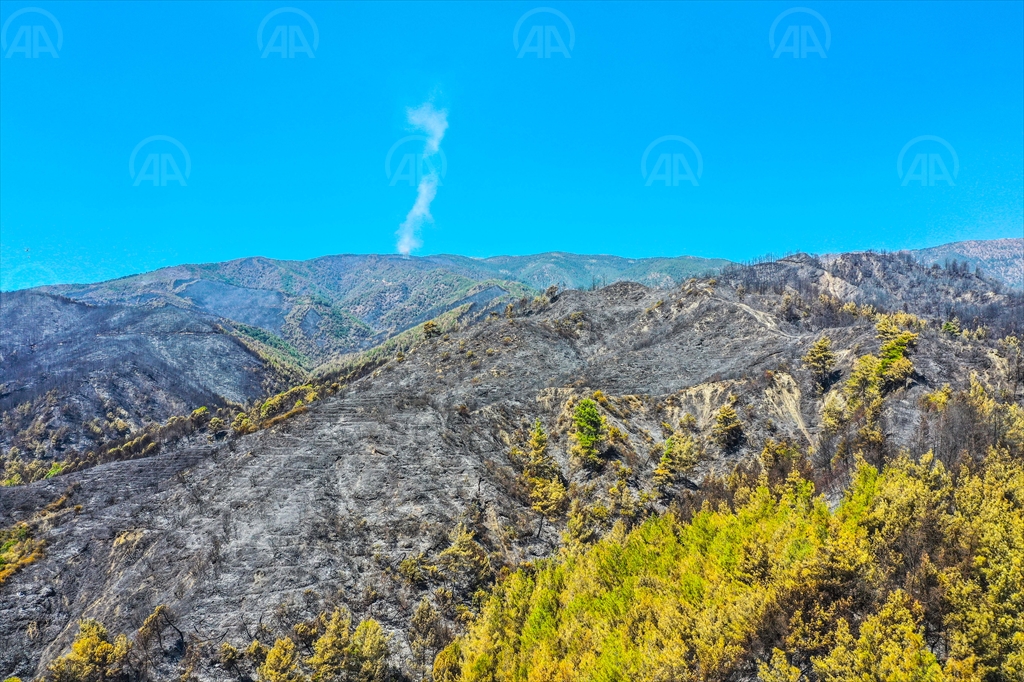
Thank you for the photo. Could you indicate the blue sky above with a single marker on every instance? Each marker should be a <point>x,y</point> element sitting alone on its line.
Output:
<point>542,152</point>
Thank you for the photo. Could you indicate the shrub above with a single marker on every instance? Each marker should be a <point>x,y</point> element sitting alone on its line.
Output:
<point>281,663</point>
<point>17,549</point>
<point>93,656</point>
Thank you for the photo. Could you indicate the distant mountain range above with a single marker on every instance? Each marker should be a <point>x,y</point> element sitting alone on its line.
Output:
<point>94,361</point>
<point>91,362</point>
<point>1001,259</point>
<point>341,304</point>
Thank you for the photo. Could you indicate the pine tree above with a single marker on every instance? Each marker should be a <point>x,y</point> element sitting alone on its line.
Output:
<point>539,464</point>
<point>779,670</point>
<point>331,650</point>
<point>465,561</point>
<point>426,635</point>
<point>891,646</point>
<point>678,459</point>
<point>369,653</point>
<point>589,431</point>
<point>548,497</point>
<point>448,663</point>
<point>727,431</point>
<point>821,361</point>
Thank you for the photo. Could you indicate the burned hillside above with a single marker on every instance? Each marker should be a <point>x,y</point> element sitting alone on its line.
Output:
<point>431,471</point>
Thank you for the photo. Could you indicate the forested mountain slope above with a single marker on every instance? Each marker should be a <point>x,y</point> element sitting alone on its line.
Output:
<point>395,488</point>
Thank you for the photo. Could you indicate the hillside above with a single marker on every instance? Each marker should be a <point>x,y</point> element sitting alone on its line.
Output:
<point>416,475</point>
<point>1001,259</point>
<point>89,367</point>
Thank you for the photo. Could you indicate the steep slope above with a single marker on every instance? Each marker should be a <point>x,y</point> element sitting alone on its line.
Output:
<point>244,537</point>
<point>339,304</point>
<point>271,322</point>
<point>320,308</point>
<point>76,374</point>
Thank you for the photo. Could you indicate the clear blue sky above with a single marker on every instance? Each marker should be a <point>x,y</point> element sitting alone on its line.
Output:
<point>542,153</point>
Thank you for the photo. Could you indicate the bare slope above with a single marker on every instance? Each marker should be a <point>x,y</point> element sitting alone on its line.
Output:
<point>74,374</point>
<point>241,537</point>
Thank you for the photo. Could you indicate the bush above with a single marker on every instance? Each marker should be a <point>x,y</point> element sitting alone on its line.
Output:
<point>93,657</point>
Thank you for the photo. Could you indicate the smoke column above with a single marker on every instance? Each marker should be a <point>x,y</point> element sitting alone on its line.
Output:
<point>434,123</point>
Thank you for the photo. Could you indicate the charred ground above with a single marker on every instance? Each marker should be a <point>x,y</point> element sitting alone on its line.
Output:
<point>242,536</point>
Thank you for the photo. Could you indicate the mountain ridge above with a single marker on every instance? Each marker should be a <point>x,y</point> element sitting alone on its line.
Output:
<point>372,476</point>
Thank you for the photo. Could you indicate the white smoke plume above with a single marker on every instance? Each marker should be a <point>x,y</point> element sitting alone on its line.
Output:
<point>434,123</point>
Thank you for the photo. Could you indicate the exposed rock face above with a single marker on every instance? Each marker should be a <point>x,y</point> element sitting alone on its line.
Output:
<point>326,505</point>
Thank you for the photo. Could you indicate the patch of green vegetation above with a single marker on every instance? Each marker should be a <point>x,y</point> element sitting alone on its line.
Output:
<point>400,343</point>
<point>273,349</point>
<point>841,593</point>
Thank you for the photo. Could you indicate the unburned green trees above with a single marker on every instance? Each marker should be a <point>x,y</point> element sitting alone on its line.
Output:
<point>821,361</point>
<point>588,432</point>
<point>727,431</point>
